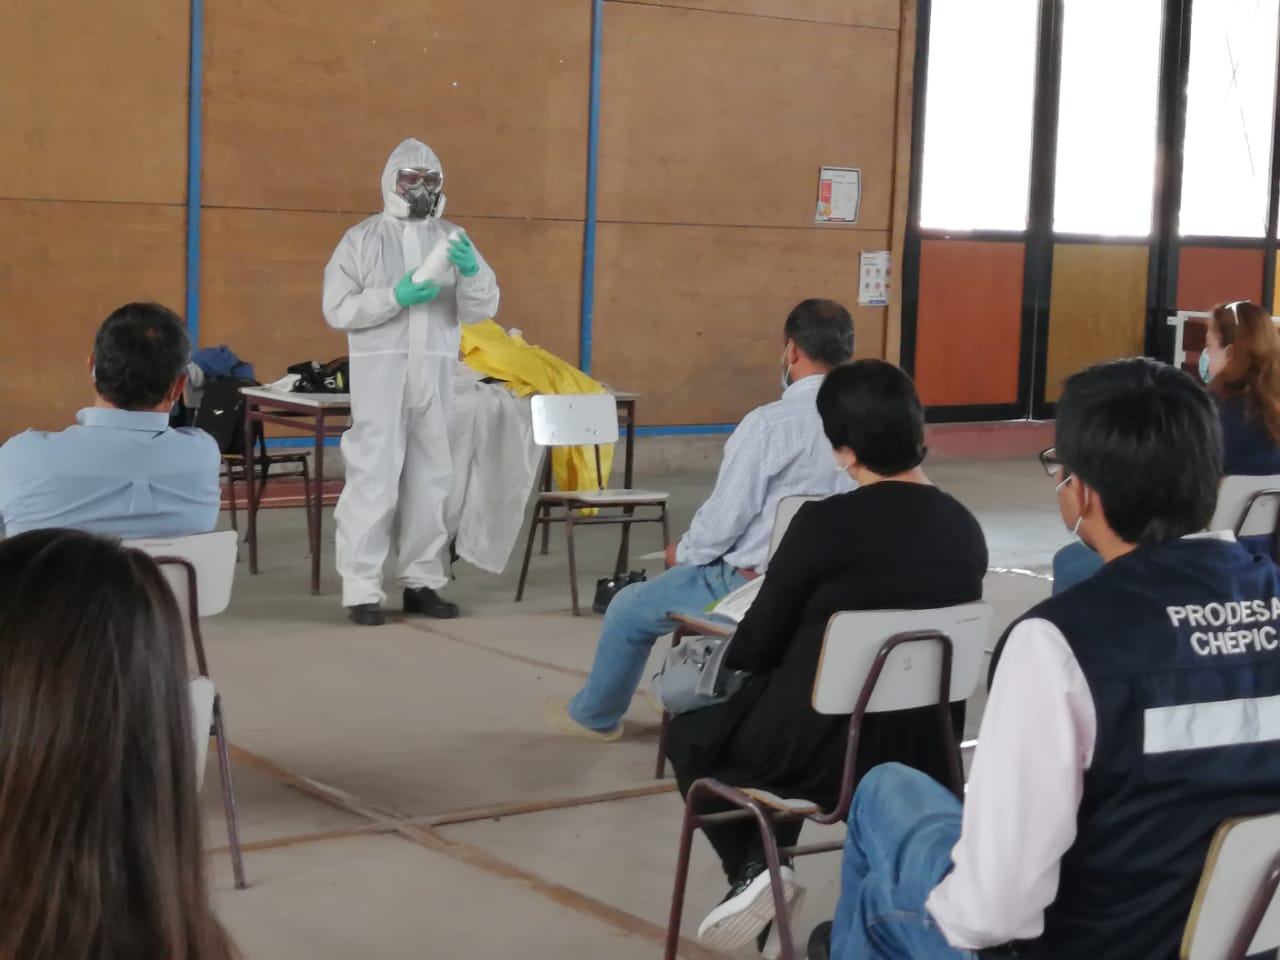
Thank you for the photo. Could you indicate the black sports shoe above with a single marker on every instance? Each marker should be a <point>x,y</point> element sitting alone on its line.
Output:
<point>367,614</point>
<point>425,601</point>
<point>746,908</point>
<point>820,942</point>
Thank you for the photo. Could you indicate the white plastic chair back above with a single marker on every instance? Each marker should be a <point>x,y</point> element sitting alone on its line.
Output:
<point>788,507</point>
<point>214,557</point>
<point>1237,866</point>
<point>1234,493</point>
<point>574,420</point>
<point>910,675</point>
<point>202,692</point>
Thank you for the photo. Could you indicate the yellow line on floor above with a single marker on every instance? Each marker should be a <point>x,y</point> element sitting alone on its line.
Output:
<point>314,788</point>
<point>501,810</point>
<point>567,897</point>
<point>497,811</point>
<point>420,831</point>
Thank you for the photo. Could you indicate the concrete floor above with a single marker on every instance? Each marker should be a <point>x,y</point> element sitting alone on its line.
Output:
<point>400,797</point>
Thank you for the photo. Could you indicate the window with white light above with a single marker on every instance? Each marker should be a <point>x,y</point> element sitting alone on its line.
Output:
<point>1230,111</point>
<point>978,114</point>
<point>1107,117</point>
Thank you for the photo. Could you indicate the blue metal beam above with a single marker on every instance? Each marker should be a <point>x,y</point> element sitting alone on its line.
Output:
<point>593,163</point>
<point>195,90</point>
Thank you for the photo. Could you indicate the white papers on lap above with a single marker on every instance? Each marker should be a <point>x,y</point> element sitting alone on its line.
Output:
<point>735,606</point>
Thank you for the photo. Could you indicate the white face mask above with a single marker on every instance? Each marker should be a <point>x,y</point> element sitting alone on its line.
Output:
<point>786,370</point>
<point>1075,530</point>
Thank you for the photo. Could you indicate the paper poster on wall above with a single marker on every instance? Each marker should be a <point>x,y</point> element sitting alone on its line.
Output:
<point>839,195</point>
<point>873,278</point>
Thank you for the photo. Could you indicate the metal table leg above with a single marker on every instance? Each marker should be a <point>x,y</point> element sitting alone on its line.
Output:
<point>315,502</point>
<point>250,409</point>
<point>628,467</point>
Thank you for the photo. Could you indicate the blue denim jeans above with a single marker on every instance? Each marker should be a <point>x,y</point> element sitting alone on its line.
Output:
<point>636,618</point>
<point>902,826</point>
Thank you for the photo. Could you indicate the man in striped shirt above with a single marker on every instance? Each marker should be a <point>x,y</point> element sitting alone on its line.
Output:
<point>778,450</point>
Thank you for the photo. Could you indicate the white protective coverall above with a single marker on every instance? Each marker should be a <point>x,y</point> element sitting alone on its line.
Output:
<point>402,364</point>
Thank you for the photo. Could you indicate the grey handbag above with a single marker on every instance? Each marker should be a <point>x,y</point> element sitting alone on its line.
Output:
<point>694,675</point>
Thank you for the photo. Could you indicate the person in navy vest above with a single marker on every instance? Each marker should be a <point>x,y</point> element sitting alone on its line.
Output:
<point>1127,718</point>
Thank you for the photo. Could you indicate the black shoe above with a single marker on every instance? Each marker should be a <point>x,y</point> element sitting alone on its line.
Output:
<point>746,908</point>
<point>820,942</point>
<point>367,614</point>
<point>425,601</point>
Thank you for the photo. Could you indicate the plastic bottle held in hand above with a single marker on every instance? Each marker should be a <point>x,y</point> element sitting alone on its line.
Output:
<point>436,264</point>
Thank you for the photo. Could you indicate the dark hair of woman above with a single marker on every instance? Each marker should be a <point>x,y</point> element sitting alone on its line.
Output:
<point>101,845</point>
<point>871,408</point>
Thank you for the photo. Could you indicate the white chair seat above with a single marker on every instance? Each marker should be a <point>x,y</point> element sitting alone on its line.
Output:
<point>609,498</point>
<point>785,805</point>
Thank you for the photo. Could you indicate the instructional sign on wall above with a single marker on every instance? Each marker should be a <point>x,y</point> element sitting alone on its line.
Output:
<point>873,278</point>
<point>839,195</point>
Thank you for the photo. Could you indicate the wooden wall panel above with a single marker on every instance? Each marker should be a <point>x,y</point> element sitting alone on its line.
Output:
<point>968,328</point>
<point>1097,308</point>
<point>858,13</point>
<point>713,119</point>
<point>63,268</point>
<point>539,267</point>
<point>303,106</point>
<point>263,275</point>
<point>261,278</point>
<point>1209,275</point>
<point>692,317</point>
<point>93,100</point>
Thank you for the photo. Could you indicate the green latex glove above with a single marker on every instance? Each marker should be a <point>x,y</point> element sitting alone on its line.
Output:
<point>463,255</point>
<point>410,294</point>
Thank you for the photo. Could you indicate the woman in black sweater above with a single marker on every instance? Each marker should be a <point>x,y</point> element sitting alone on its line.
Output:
<point>896,542</point>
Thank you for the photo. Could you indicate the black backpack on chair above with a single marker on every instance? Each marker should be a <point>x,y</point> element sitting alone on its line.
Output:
<point>221,413</point>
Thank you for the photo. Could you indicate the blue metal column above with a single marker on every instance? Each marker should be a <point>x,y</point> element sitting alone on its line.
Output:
<point>593,163</point>
<point>195,91</point>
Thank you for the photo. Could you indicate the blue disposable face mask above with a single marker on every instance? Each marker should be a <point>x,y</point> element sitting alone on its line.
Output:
<point>1204,366</point>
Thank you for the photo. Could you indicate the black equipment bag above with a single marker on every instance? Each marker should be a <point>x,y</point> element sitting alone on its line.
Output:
<point>331,377</point>
<point>221,413</point>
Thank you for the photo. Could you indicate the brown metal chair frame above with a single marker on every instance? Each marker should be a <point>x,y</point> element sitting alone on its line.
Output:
<point>545,513</point>
<point>219,731</point>
<point>750,808</point>
<point>235,465</point>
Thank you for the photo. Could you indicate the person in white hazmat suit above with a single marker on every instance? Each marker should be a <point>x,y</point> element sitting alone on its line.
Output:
<point>403,342</point>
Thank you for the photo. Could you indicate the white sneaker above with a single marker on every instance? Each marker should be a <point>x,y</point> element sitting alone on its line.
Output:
<point>771,949</point>
<point>743,913</point>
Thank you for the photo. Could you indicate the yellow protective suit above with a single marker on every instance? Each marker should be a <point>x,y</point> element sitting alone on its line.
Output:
<point>492,352</point>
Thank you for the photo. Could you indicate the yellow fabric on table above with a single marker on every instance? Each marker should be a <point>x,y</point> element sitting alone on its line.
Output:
<point>492,352</point>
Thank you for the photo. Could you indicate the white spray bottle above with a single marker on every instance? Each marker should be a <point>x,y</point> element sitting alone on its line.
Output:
<point>437,261</point>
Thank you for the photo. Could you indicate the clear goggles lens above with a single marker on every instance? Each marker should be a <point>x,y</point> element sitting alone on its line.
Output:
<point>414,177</point>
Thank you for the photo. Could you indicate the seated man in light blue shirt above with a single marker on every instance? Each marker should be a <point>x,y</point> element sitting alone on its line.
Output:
<point>778,450</point>
<point>121,471</point>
